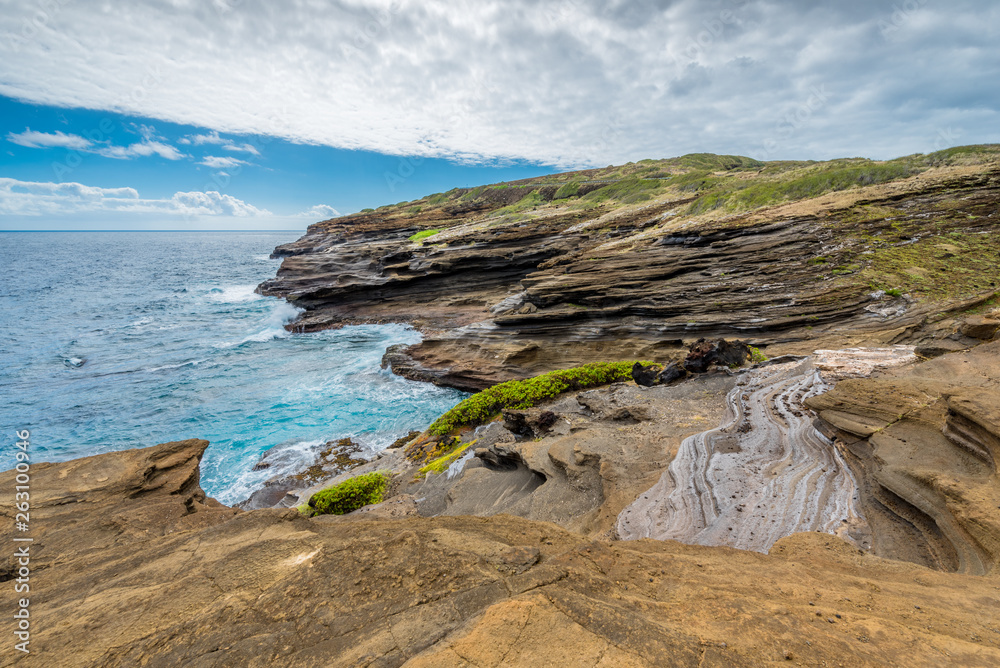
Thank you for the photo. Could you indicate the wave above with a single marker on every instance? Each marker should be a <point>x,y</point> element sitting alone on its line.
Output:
<point>235,294</point>
<point>166,367</point>
<point>274,326</point>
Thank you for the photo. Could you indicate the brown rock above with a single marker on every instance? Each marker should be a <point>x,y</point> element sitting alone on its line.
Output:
<point>186,582</point>
<point>980,327</point>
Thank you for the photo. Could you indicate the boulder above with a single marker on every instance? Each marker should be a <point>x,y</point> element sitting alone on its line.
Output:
<point>644,375</point>
<point>672,372</point>
<point>704,354</point>
<point>980,327</point>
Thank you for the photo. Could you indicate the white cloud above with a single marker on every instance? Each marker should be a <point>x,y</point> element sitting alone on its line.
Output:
<point>213,203</point>
<point>571,82</point>
<point>56,139</point>
<point>30,198</point>
<point>150,145</point>
<point>320,212</point>
<point>144,148</point>
<point>213,138</point>
<point>217,162</point>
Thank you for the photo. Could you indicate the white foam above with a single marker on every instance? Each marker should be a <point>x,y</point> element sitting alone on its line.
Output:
<point>235,294</point>
<point>174,366</point>
<point>274,326</point>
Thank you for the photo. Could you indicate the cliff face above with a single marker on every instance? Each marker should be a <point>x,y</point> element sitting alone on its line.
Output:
<point>924,442</point>
<point>506,290</point>
<point>132,565</point>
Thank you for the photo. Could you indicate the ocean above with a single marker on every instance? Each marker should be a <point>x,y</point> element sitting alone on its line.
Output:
<point>115,340</point>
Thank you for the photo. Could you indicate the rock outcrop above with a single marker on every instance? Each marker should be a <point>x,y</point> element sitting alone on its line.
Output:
<point>764,474</point>
<point>922,442</point>
<point>501,295</point>
<point>133,566</point>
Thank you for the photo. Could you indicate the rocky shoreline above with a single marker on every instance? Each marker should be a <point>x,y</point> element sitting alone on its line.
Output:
<point>131,536</point>
<point>501,296</point>
<point>837,503</point>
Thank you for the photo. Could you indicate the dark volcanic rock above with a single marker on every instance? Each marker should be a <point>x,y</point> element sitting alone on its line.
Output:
<point>672,372</point>
<point>645,375</point>
<point>599,284</point>
<point>705,354</point>
<point>980,327</point>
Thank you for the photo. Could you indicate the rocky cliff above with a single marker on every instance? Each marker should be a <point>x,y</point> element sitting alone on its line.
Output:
<point>132,565</point>
<point>516,279</point>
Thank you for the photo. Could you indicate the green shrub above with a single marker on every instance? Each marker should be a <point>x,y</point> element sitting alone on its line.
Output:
<point>568,190</point>
<point>367,210</point>
<point>626,189</point>
<point>520,394</point>
<point>351,494</point>
<point>423,234</point>
<point>757,355</point>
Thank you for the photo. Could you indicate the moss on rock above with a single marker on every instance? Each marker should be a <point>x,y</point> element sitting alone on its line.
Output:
<point>351,494</point>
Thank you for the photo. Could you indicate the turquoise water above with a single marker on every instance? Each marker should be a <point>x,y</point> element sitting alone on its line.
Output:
<point>114,340</point>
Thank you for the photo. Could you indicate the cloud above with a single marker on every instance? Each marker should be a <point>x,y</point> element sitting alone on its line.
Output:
<point>566,82</point>
<point>213,138</point>
<point>55,139</point>
<point>320,212</point>
<point>150,145</point>
<point>140,149</point>
<point>30,198</point>
<point>223,162</point>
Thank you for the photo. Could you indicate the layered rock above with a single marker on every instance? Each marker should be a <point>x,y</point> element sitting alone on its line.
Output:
<point>922,441</point>
<point>507,297</point>
<point>765,473</point>
<point>132,565</point>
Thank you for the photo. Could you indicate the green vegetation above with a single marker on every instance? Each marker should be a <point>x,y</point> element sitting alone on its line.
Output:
<point>626,191</point>
<point>713,162</point>
<point>757,355</point>
<point>423,234</point>
<point>568,190</point>
<point>441,464</point>
<point>520,394</point>
<point>413,210</point>
<point>938,267</point>
<point>351,494</point>
<point>743,195</point>
<point>367,210</point>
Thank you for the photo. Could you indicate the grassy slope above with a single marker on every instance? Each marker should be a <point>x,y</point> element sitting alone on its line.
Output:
<point>714,190</point>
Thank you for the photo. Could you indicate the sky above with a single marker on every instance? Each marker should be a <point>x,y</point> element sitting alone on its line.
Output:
<point>248,114</point>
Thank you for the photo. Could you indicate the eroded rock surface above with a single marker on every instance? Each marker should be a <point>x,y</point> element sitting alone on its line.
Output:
<point>765,473</point>
<point>501,298</point>
<point>133,566</point>
<point>922,441</point>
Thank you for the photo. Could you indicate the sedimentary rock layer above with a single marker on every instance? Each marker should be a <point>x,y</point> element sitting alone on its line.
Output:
<point>922,441</point>
<point>764,474</point>
<point>133,566</point>
<point>502,297</point>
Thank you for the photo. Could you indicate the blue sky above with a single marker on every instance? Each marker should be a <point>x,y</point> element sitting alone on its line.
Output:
<point>218,114</point>
<point>271,183</point>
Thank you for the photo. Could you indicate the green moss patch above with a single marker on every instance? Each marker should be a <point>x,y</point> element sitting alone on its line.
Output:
<point>423,234</point>
<point>939,267</point>
<point>520,394</point>
<point>441,464</point>
<point>351,494</point>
